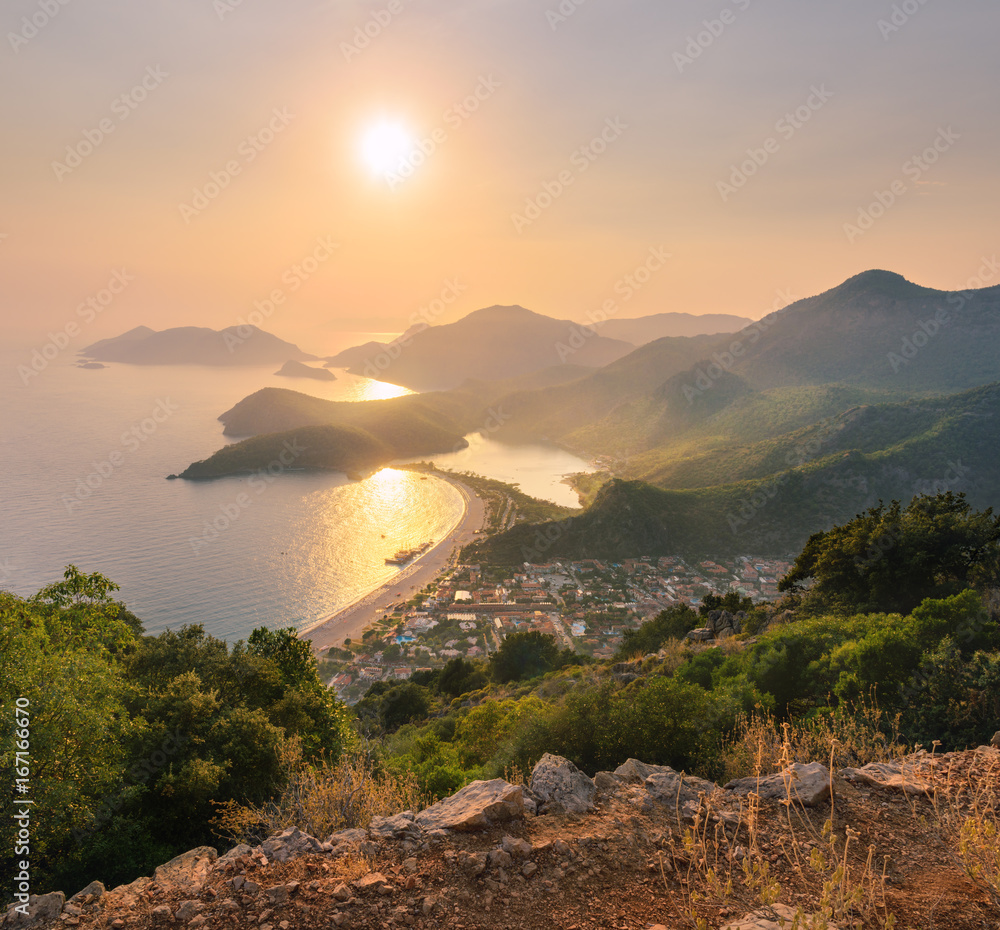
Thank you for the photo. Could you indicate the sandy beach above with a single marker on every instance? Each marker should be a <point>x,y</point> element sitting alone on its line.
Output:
<point>352,620</point>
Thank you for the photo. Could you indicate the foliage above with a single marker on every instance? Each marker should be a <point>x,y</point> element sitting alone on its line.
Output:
<point>891,558</point>
<point>672,623</point>
<point>522,655</point>
<point>134,739</point>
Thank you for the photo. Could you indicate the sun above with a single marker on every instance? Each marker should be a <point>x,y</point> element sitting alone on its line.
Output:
<point>385,145</point>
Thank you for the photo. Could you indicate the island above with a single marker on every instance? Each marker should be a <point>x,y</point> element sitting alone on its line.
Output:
<point>294,369</point>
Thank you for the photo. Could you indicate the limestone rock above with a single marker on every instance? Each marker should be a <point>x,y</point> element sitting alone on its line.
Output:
<point>290,844</point>
<point>93,891</point>
<point>189,871</point>
<point>236,852</point>
<point>607,782</point>
<point>671,788</point>
<point>903,776</point>
<point>43,911</point>
<point>373,881</point>
<point>995,742</point>
<point>475,807</point>
<point>808,784</point>
<point>635,772</point>
<point>399,827</point>
<point>557,781</point>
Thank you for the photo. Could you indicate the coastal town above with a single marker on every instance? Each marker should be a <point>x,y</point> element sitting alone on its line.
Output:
<point>586,605</point>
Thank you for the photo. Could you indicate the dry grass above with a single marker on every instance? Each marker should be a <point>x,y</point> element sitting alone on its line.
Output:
<point>724,864</point>
<point>967,804</point>
<point>321,798</point>
<point>856,735</point>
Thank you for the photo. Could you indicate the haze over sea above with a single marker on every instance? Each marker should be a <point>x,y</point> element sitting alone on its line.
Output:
<point>306,544</point>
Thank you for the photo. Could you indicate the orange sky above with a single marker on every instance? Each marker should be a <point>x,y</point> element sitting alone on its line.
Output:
<point>513,97</point>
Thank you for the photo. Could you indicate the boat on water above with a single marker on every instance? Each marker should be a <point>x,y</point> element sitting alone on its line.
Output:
<point>407,555</point>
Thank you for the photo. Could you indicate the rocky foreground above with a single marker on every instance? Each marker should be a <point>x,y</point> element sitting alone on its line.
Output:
<point>642,847</point>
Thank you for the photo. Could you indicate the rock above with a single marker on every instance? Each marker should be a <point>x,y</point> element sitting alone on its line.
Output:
<point>499,859</point>
<point>700,636</point>
<point>188,872</point>
<point>399,827</point>
<point>635,772</point>
<point>607,782</point>
<point>901,776</point>
<point>93,890</point>
<point>43,911</point>
<point>807,784</point>
<point>558,782</point>
<point>515,847</point>
<point>727,632</point>
<point>237,852</point>
<point>341,892</point>
<point>373,881</point>
<point>764,920</point>
<point>162,912</point>
<point>995,742</point>
<point>188,909</point>
<point>278,895</point>
<point>472,864</point>
<point>475,807</point>
<point>528,869</point>
<point>673,790</point>
<point>290,844</point>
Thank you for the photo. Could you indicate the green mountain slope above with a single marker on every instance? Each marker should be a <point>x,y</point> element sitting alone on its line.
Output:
<point>770,496</point>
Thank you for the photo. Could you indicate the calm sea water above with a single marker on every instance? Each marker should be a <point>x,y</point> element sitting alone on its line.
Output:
<point>84,455</point>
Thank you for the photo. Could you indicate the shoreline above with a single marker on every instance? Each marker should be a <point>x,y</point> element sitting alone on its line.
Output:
<point>351,620</point>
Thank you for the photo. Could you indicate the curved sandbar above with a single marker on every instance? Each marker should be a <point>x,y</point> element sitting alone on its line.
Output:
<point>351,621</point>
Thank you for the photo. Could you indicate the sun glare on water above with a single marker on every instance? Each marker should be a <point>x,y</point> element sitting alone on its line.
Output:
<point>385,146</point>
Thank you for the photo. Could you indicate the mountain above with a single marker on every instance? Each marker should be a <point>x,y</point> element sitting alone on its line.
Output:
<point>875,337</point>
<point>490,344</point>
<point>293,369</point>
<point>195,345</point>
<point>645,329</point>
<point>766,498</point>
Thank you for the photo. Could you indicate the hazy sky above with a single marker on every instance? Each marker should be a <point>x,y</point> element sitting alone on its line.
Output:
<point>202,149</point>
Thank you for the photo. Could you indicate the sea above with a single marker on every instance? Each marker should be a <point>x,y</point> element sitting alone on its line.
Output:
<point>84,457</point>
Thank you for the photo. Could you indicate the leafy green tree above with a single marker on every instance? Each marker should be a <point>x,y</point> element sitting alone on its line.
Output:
<point>892,558</point>
<point>523,655</point>
<point>404,703</point>
<point>673,623</point>
<point>732,601</point>
<point>460,676</point>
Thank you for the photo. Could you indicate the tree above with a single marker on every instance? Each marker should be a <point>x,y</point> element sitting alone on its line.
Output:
<point>524,655</point>
<point>460,676</point>
<point>672,623</point>
<point>890,558</point>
